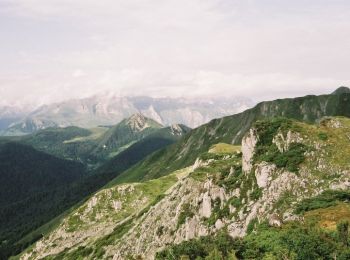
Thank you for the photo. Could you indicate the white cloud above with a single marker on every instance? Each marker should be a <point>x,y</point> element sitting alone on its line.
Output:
<point>263,48</point>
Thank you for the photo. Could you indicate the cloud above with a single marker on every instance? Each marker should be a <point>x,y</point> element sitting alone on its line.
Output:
<point>61,49</point>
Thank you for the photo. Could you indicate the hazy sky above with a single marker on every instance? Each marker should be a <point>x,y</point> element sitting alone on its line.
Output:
<point>57,49</point>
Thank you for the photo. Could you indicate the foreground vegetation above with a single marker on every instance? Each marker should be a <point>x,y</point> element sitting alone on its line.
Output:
<point>291,241</point>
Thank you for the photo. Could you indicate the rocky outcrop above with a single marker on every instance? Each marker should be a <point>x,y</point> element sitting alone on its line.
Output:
<point>283,142</point>
<point>263,174</point>
<point>248,146</point>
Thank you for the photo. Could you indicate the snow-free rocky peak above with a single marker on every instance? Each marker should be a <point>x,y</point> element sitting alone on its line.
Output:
<point>177,129</point>
<point>137,122</point>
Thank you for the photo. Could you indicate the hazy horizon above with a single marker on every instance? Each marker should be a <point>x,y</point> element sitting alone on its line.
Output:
<point>58,50</point>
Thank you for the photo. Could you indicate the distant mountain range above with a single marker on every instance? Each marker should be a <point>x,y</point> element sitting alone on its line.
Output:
<point>106,109</point>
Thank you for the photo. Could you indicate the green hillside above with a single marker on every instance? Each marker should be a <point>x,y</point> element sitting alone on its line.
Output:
<point>72,143</point>
<point>31,183</point>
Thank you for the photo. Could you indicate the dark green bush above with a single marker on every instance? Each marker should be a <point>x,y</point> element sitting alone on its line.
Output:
<point>200,248</point>
<point>323,136</point>
<point>292,241</point>
<point>326,199</point>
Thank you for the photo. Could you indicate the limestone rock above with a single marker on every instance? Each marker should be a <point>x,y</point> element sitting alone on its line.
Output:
<point>206,206</point>
<point>248,146</point>
<point>263,173</point>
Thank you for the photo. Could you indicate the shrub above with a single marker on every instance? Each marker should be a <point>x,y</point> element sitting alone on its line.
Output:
<point>324,200</point>
<point>323,136</point>
<point>184,214</point>
<point>268,151</point>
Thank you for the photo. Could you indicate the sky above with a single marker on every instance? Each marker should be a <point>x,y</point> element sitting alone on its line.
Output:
<point>52,50</point>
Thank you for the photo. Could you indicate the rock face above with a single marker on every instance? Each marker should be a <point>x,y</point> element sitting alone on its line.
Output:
<point>263,174</point>
<point>137,122</point>
<point>248,148</point>
<point>206,206</point>
<point>283,142</point>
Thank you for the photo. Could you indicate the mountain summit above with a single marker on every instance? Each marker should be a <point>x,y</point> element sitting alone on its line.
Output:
<point>138,122</point>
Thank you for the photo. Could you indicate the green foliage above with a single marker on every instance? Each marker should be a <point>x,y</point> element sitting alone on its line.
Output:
<point>202,248</point>
<point>326,199</point>
<point>219,170</point>
<point>323,136</point>
<point>231,182</point>
<point>290,159</point>
<point>33,187</point>
<point>236,202</point>
<point>218,212</point>
<point>256,194</point>
<point>292,241</point>
<point>267,129</point>
<point>251,225</point>
<point>343,231</point>
<point>53,141</point>
<point>80,253</point>
<point>185,213</point>
<point>268,151</point>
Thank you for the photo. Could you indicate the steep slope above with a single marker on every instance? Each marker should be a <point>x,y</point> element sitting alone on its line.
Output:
<point>26,176</point>
<point>289,173</point>
<point>109,109</point>
<point>231,129</point>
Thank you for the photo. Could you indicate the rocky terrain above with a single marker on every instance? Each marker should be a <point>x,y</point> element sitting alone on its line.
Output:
<point>280,164</point>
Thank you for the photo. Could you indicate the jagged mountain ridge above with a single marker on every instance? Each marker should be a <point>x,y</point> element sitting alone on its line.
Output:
<point>224,189</point>
<point>106,109</point>
<point>231,129</point>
